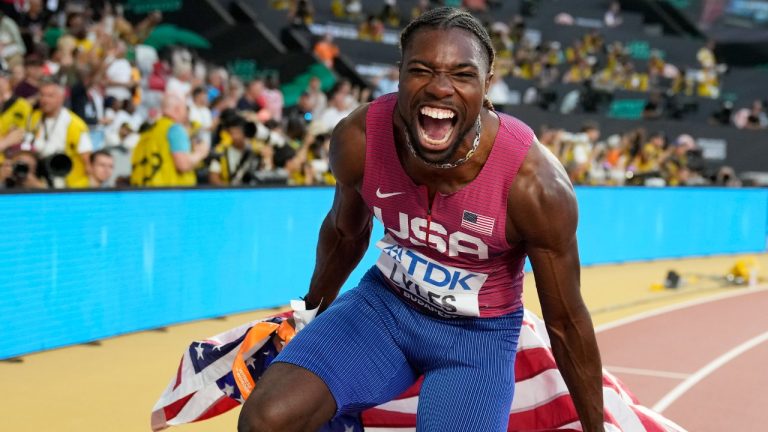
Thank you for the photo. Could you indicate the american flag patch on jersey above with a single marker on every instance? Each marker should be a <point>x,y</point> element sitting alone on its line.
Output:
<point>477,223</point>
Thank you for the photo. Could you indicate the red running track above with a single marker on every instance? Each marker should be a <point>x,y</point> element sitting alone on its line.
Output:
<point>702,364</point>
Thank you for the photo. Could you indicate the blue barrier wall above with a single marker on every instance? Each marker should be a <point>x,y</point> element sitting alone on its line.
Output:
<point>76,267</point>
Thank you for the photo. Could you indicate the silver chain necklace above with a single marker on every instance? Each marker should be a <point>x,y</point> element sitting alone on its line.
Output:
<point>447,165</point>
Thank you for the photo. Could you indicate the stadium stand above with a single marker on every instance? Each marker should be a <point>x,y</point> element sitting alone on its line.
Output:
<point>627,70</point>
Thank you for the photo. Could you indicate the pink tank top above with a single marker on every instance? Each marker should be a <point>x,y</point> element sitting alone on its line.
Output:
<point>451,260</point>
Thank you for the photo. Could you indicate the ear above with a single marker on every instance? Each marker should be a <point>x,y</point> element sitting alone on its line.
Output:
<point>488,78</point>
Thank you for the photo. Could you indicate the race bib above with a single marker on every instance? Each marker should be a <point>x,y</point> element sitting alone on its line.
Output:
<point>444,290</point>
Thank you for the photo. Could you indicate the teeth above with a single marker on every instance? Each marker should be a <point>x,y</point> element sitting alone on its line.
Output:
<point>437,113</point>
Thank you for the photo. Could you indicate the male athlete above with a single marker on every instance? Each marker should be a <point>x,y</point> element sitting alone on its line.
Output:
<point>465,194</point>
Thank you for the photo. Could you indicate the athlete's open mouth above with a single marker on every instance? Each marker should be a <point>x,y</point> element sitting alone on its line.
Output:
<point>436,126</point>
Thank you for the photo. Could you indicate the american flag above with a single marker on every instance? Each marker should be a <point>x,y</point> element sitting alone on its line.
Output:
<point>477,223</point>
<point>204,387</point>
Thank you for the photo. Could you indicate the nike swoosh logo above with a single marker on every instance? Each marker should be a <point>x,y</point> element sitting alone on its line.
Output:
<point>387,195</point>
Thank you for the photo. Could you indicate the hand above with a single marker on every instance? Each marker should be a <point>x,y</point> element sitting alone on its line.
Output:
<point>200,149</point>
<point>13,137</point>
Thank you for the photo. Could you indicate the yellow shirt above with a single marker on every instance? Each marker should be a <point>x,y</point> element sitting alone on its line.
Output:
<point>15,115</point>
<point>152,160</point>
<point>77,177</point>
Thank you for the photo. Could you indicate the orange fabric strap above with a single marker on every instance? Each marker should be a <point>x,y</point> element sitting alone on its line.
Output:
<point>256,335</point>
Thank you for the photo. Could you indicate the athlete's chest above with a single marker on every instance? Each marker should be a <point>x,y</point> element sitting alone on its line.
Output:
<point>466,225</point>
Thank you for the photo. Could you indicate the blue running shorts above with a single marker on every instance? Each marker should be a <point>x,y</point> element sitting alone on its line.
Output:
<point>370,346</point>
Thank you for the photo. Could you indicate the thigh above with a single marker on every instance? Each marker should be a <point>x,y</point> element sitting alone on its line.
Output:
<point>465,399</point>
<point>290,398</point>
<point>352,348</point>
<point>473,386</point>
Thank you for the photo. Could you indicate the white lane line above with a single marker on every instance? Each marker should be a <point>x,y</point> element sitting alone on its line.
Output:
<point>707,370</point>
<point>647,372</point>
<point>678,306</point>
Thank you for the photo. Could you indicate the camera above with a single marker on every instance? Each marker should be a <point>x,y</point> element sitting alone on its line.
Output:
<point>56,165</point>
<point>252,130</point>
<point>20,171</point>
<point>260,132</point>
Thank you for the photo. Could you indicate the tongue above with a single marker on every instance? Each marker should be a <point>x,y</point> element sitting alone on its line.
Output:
<point>436,129</point>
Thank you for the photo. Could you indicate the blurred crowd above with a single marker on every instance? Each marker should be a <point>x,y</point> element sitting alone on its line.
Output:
<point>90,99</point>
<point>637,157</point>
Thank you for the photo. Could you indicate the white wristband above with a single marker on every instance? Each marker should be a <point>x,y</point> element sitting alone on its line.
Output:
<point>302,316</point>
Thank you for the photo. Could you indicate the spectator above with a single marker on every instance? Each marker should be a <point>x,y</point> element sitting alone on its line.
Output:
<point>301,12</point>
<point>217,79</point>
<point>757,118</point>
<point>235,162</point>
<point>580,151</point>
<point>12,48</point>
<point>613,15</point>
<point>77,26</point>
<point>371,29</point>
<point>706,55</point>
<point>102,166</point>
<point>326,51</point>
<point>390,14</point>
<point>353,9</point>
<point>253,101</point>
<point>165,155</point>
<point>675,164</point>
<point>87,101</point>
<point>13,117</point>
<point>499,93</point>
<point>273,98</point>
<point>647,162</point>
<point>122,115</point>
<point>54,129</point>
<point>338,108</point>
<point>32,23</point>
<point>419,8</point>
<point>200,115</point>
<point>727,177</point>
<point>318,99</point>
<point>387,83</point>
<point>180,84</point>
<point>20,172</point>
<point>33,75</point>
<point>298,117</point>
<point>118,77</point>
<point>654,107</point>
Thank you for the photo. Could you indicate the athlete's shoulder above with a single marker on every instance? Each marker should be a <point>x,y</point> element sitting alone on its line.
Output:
<point>347,152</point>
<point>542,199</point>
<point>519,131</point>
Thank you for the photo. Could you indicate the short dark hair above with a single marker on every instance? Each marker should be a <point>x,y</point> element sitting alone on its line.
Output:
<point>590,125</point>
<point>197,90</point>
<point>235,121</point>
<point>98,153</point>
<point>445,18</point>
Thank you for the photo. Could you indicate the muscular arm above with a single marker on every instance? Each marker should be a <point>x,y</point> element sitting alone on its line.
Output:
<point>346,230</point>
<point>545,220</point>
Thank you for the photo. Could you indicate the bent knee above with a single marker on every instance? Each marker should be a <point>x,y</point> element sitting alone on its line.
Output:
<point>261,418</point>
<point>270,408</point>
<point>263,415</point>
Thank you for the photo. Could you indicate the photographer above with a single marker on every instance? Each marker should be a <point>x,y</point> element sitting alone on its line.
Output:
<point>235,160</point>
<point>14,114</point>
<point>20,172</point>
<point>54,130</point>
<point>165,156</point>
